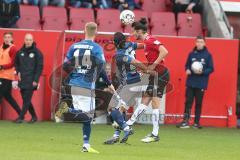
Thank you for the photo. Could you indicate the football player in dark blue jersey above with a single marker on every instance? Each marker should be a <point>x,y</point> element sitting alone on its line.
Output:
<point>128,77</point>
<point>84,62</point>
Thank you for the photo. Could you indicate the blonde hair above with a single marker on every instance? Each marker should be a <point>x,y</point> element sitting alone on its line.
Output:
<point>91,29</point>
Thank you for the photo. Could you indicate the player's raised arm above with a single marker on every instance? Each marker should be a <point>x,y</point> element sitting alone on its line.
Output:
<point>163,52</point>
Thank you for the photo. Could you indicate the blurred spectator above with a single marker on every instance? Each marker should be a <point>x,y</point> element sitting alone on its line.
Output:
<point>107,4</point>
<point>126,4</point>
<point>59,3</point>
<point>116,3</point>
<point>188,6</point>
<point>30,2</point>
<point>9,13</point>
<point>91,3</point>
<point>82,3</point>
<point>133,5</point>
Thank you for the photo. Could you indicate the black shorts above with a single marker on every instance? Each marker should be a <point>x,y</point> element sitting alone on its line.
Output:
<point>160,83</point>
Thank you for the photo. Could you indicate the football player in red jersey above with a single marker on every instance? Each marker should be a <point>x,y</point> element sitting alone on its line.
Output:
<point>155,53</point>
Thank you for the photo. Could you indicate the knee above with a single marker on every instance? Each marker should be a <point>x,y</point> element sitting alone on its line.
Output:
<point>198,104</point>
<point>189,102</point>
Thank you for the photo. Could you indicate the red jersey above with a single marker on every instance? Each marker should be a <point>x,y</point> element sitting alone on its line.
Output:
<point>152,52</point>
<point>151,48</point>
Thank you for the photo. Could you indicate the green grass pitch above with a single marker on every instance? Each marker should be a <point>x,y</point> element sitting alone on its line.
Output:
<point>50,141</point>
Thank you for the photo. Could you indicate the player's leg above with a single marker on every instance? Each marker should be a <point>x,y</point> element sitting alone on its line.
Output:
<point>153,136</point>
<point>199,94</point>
<point>26,96</point>
<point>83,109</point>
<point>117,107</point>
<point>157,94</point>
<point>7,89</point>
<point>114,104</point>
<point>118,117</point>
<point>141,107</point>
<point>188,105</point>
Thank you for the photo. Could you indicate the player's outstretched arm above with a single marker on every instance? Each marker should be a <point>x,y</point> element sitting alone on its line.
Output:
<point>163,52</point>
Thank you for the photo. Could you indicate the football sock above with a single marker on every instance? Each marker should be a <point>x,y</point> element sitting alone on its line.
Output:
<point>118,117</point>
<point>155,121</point>
<point>117,133</point>
<point>137,113</point>
<point>86,132</point>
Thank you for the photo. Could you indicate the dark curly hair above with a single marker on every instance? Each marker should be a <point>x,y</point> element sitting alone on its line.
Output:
<point>140,25</point>
<point>119,40</point>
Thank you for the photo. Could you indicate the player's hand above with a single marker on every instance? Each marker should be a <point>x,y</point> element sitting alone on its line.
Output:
<point>19,76</point>
<point>111,87</point>
<point>15,84</point>
<point>151,72</point>
<point>199,72</point>
<point>152,67</point>
<point>188,72</point>
<point>35,84</point>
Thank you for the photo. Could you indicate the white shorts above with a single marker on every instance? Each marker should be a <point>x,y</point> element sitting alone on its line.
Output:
<point>128,93</point>
<point>83,99</point>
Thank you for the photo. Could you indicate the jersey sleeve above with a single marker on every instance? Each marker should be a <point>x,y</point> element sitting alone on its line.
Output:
<point>68,65</point>
<point>100,56</point>
<point>134,45</point>
<point>69,54</point>
<point>155,44</point>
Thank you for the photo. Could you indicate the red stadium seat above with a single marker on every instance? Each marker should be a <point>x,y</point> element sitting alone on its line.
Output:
<point>189,24</point>
<point>79,17</point>
<point>55,18</point>
<point>30,17</point>
<point>138,16</point>
<point>163,23</point>
<point>108,20</point>
<point>154,6</point>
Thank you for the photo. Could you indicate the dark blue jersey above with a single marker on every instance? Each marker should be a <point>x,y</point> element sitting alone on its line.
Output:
<point>126,72</point>
<point>87,60</point>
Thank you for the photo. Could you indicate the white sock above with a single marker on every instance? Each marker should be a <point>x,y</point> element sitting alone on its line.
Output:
<point>139,110</point>
<point>86,145</point>
<point>155,121</point>
<point>126,128</point>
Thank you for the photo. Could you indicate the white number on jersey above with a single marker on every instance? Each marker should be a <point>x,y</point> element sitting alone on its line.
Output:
<point>86,61</point>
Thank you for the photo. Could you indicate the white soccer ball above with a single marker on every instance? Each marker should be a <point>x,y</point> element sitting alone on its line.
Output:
<point>196,66</point>
<point>127,17</point>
